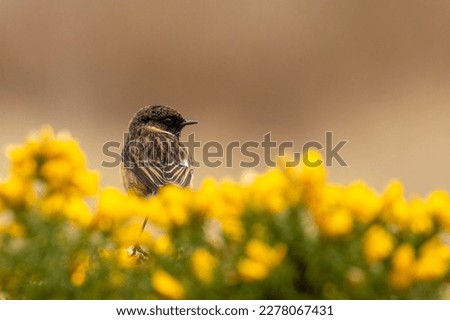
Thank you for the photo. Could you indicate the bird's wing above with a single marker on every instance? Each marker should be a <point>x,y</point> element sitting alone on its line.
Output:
<point>156,174</point>
<point>180,172</point>
<point>169,166</point>
<point>150,179</point>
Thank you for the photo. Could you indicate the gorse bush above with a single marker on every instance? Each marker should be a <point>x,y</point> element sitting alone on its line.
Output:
<point>287,234</point>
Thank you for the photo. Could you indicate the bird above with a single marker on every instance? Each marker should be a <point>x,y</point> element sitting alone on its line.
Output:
<point>152,155</point>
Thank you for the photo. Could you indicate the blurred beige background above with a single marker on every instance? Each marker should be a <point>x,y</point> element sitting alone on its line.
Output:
<point>376,73</point>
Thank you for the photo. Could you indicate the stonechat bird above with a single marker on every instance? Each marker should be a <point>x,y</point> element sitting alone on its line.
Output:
<point>153,155</point>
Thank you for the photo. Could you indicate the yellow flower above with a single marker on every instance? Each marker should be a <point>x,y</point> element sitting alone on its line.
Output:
<point>261,259</point>
<point>292,172</point>
<point>63,148</point>
<point>78,276</point>
<point>438,205</point>
<point>113,207</point>
<point>268,191</point>
<point>153,209</point>
<point>176,202</point>
<point>326,199</point>
<point>403,257</point>
<point>206,197</point>
<point>399,214</point>
<point>23,161</point>
<point>12,228</point>
<point>87,182</point>
<point>128,233</point>
<point>163,245</point>
<point>203,265</point>
<point>313,170</point>
<point>78,211</point>
<point>413,216</point>
<point>167,286</point>
<point>124,257</point>
<point>57,172</point>
<point>420,220</point>
<point>433,261</point>
<point>402,274</point>
<point>332,218</point>
<point>251,270</point>
<point>312,176</point>
<point>71,206</point>
<point>335,223</point>
<point>264,254</point>
<point>393,193</point>
<point>232,228</point>
<point>233,197</point>
<point>377,244</point>
<point>224,203</point>
<point>53,204</point>
<point>395,208</point>
<point>362,201</point>
<point>16,192</point>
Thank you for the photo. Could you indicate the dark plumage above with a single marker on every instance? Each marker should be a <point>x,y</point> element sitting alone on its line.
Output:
<point>152,155</point>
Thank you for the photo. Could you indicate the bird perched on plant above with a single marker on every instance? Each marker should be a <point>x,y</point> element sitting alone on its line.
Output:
<point>153,155</point>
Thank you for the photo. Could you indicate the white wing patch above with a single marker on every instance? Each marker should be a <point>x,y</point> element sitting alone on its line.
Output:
<point>184,163</point>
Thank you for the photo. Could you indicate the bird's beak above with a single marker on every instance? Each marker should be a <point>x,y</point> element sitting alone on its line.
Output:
<point>189,122</point>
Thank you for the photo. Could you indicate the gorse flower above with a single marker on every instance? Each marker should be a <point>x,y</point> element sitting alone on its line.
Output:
<point>17,193</point>
<point>203,264</point>
<point>286,233</point>
<point>269,192</point>
<point>433,260</point>
<point>402,273</point>
<point>438,205</point>
<point>378,243</point>
<point>78,276</point>
<point>49,173</point>
<point>167,286</point>
<point>362,201</point>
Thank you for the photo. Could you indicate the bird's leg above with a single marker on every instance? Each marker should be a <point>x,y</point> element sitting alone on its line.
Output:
<point>143,225</point>
<point>136,250</point>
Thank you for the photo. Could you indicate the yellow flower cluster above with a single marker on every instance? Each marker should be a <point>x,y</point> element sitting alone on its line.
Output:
<point>49,173</point>
<point>388,218</point>
<point>431,263</point>
<point>260,260</point>
<point>228,233</point>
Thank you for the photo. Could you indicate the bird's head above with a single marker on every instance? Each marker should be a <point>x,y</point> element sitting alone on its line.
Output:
<point>160,117</point>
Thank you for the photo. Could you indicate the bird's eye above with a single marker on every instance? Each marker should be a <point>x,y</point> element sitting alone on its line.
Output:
<point>168,120</point>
